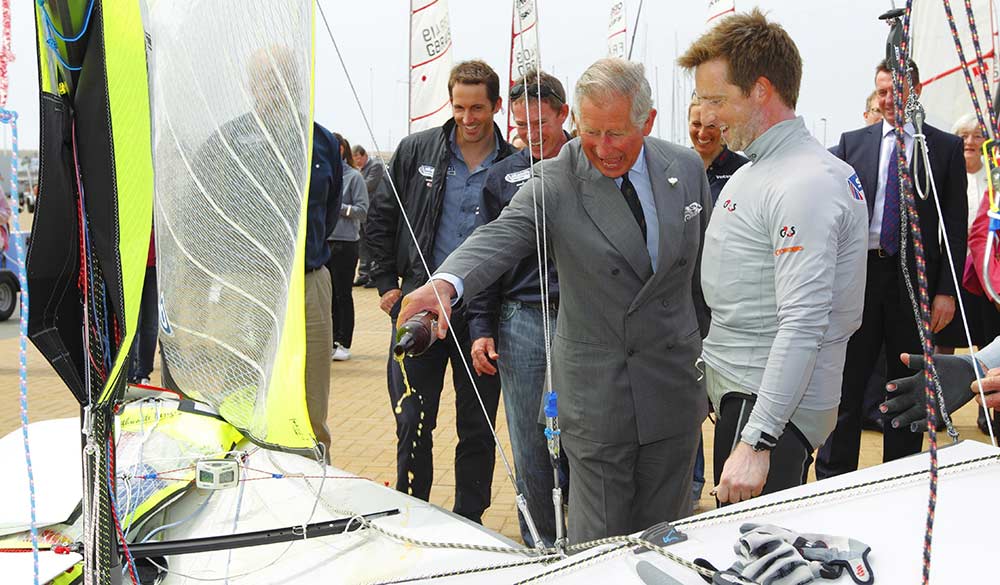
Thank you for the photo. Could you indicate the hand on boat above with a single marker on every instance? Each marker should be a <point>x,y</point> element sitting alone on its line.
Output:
<point>426,299</point>
<point>743,475</point>
<point>388,300</point>
<point>484,354</point>
<point>907,398</point>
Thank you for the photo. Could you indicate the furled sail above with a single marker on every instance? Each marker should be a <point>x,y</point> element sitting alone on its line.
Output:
<point>618,31</point>
<point>523,47</point>
<point>232,103</point>
<point>720,8</point>
<point>946,95</point>
<point>430,63</point>
<point>85,270</point>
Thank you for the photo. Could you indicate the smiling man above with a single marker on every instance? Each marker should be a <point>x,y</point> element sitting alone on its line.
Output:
<point>506,320</point>
<point>784,261</point>
<point>720,162</point>
<point>439,175</point>
<point>625,215</point>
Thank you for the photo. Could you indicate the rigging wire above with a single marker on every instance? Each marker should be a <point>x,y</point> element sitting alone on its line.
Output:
<point>922,316</point>
<point>8,117</point>
<point>441,302</point>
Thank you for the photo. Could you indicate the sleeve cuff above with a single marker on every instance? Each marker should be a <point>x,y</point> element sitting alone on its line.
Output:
<point>453,281</point>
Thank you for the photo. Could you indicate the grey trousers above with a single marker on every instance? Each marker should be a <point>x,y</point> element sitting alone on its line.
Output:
<point>624,488</point>
<point>319,345</point>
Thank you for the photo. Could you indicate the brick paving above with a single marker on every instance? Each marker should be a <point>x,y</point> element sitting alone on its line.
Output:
<point>360,415</point>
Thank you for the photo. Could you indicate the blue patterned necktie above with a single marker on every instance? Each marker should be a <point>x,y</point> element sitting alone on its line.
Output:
<point>889,238</point>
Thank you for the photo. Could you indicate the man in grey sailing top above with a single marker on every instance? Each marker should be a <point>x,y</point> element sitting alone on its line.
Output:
<point>783,263</point>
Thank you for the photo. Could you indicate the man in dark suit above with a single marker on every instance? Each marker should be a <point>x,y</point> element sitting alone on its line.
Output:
<point>888,314</point>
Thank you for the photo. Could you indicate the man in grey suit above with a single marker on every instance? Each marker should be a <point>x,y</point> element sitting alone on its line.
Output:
<point>626,216</point>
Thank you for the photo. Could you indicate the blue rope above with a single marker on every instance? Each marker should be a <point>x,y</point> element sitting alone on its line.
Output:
<point>52,27</point>
<point>10,117</point>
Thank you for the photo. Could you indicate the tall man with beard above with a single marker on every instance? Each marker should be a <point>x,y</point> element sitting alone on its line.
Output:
<point>439,174</point>
<point>506,320</point>
<point>784,257</point>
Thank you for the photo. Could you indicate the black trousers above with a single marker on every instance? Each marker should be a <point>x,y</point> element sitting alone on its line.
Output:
<point>790,458</point>
<point>343,259</point>
<point>887,318</point>
<point>148,326</point>
<point>416,419</point>
<point>363,255</point>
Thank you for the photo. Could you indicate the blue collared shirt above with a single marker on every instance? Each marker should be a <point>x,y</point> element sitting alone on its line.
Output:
<point>639,175</point>
<point>461,211</point>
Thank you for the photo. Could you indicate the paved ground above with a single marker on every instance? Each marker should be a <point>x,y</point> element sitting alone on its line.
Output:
<point>360,415</point>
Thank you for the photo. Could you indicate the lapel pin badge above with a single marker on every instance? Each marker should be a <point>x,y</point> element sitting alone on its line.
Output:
<point>672,180</point>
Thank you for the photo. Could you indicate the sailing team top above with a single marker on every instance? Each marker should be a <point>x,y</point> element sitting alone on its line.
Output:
<point>616,289</point>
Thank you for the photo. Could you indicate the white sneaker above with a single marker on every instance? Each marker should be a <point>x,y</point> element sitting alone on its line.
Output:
<point>341,353</point>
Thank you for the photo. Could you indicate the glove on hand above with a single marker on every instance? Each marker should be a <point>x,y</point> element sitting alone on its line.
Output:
<point>906,403</point>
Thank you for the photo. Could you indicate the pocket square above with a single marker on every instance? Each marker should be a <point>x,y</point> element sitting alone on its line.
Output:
<point>691,211</point>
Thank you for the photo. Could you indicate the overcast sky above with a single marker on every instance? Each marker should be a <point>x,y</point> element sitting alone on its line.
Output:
<point>840,42</point>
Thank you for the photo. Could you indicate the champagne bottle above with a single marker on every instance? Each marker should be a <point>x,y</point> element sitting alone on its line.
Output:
<point>416,335</point>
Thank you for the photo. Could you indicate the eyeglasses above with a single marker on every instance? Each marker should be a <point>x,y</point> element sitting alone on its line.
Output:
<point>537,91</point>
<point>714,101</point>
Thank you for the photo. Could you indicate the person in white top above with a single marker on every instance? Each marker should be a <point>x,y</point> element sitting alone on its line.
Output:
<point>784,254</point>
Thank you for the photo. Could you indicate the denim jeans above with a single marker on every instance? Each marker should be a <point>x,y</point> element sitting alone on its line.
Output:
<point>521,365</point>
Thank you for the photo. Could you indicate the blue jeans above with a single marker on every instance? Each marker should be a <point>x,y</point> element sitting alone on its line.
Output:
<point>521,346</point>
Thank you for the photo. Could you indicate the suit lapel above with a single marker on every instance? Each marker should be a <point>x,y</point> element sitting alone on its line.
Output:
<point>869,165</point>
<point>606,207</point>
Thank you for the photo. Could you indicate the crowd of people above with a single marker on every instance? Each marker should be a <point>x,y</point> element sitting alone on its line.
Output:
<point>752,273</point>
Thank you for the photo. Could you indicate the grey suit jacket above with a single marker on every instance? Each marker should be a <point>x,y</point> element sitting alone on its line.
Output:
<point>626,339</point>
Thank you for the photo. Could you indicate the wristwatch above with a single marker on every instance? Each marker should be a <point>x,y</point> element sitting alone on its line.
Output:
<point>758,440</point>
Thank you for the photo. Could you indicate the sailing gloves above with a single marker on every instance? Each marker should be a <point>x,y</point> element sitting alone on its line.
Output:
<point>907,399</point>
<point>771,555</point>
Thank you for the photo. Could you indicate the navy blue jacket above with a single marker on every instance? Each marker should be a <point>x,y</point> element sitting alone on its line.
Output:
<point>325,186</point>
<point>523,281</point>
<point>722,168</point>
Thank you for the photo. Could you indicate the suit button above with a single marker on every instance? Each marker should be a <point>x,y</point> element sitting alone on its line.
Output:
<point>615,271</point>
<point>631,352</point>
<point>683,262</point>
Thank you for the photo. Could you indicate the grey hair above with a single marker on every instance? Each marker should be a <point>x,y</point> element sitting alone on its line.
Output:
<point>611,78</point>
<point>966,122</point>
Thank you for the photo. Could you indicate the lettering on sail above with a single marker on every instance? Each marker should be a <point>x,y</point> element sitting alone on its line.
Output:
<point>437,37</point>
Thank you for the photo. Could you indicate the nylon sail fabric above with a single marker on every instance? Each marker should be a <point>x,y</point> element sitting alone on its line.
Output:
<point>523,48</point>
<point>945,94</point>
<point>430,64</point>
<point>617,31</point>
<point>232,100</point>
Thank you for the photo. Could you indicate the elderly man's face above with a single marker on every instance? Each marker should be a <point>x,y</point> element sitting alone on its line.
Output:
<point>608,137</point>
<point>724,105</point>
<point>706,138</point>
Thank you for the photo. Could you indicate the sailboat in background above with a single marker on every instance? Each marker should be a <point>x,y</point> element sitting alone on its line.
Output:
<point>430,64</point>
<point>523,48</point>
<point>618,31</point>
<point>720,8</point>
